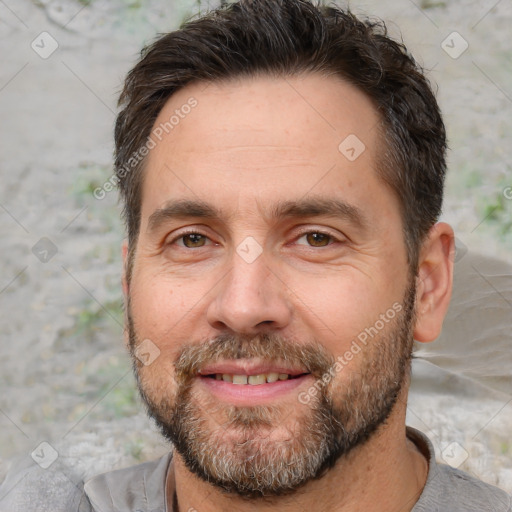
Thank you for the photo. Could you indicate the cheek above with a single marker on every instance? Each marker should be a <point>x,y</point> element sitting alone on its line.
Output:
<point>170,313</point>
<point>151,308</point>
<point>160,291</point>
<point>157,381</point>
<point>157,340</point>
<point>338,308</point>
<point>156,302</point>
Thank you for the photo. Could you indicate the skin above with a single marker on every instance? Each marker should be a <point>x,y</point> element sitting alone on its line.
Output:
<point>249,145</point>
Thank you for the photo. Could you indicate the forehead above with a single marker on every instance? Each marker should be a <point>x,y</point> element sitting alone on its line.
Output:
<point>266,136</point>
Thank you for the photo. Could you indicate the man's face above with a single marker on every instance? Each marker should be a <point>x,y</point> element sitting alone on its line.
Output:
<point>269,249</point>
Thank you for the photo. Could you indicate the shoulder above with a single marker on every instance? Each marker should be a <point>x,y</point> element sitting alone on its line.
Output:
<point>457,491</point>
<point>450,489</point>
<point>30,487</point>
<point>61,488</point>
<point>140,487</point>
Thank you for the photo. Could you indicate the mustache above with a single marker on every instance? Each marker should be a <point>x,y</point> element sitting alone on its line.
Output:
<point>268,347</point>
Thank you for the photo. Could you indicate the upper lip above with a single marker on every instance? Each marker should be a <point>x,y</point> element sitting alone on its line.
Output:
<point>249,368</point>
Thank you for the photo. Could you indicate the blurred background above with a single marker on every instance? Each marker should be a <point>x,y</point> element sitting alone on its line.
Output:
<point>65,378</point>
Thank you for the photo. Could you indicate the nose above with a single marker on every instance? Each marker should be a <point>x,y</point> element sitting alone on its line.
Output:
<point>250,299</point>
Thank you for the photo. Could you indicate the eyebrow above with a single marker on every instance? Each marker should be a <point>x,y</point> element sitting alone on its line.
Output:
<point>311,207</point>
<point>320,207</point>
<point>180,209</point>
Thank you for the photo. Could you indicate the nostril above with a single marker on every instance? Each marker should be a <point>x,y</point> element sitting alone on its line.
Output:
<point>247,307</point>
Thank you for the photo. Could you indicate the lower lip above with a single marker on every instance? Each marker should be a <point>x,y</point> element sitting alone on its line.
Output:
<point>247,394</point>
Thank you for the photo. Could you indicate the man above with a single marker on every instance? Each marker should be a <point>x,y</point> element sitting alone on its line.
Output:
<point>282,168</point>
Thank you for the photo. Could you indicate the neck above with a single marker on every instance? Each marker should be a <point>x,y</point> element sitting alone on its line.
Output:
<point>387,473</point>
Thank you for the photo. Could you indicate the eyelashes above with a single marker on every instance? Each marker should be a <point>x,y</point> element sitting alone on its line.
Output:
<point>195,239</point>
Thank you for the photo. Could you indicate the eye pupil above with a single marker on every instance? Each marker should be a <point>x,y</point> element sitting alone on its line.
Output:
<point>317,239</point>
<point>193,240</point>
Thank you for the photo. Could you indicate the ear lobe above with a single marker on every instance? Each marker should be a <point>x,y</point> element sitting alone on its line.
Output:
<point>434,282</point>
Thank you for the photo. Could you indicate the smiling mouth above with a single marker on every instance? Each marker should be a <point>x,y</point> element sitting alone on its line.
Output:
<point>247,384</point>
<point>253,380</point>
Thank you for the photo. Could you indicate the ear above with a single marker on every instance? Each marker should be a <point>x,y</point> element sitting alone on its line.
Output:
<point>434,282</point>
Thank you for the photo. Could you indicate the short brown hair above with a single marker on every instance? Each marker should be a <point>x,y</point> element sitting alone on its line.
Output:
<point>283,38</point>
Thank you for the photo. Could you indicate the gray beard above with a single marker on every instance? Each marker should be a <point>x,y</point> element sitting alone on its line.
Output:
<point>236,455</point>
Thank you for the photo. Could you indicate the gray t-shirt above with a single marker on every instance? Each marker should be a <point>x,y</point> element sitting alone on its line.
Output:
<point>142,488</point>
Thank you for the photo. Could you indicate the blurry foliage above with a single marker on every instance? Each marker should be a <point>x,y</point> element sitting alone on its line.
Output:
<point>497,209</point>
<point>89,177</point>
<point>135,448</point>
<point>431,4</point>
<point>93,318</point>
<point>473,177</point>
<point>132,4</point>
<point>122,400</point>
<point>114,389</point>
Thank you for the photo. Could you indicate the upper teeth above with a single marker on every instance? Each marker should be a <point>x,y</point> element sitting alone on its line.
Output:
<point>251,379</point>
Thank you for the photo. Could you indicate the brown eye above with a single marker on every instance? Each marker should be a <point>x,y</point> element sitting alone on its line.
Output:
<point>192,240</point>
<point>318,239</point>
